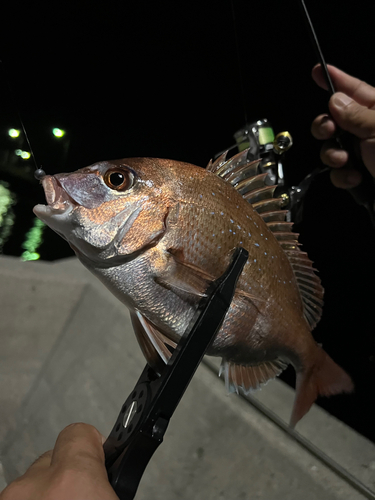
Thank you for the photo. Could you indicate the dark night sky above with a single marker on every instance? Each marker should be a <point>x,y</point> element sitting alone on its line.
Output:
<point>161,79</point>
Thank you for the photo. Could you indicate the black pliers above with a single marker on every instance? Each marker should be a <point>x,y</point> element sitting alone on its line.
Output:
<point>144,417</point>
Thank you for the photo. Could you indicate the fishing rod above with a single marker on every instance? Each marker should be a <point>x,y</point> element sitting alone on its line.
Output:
<point>259,137</point>
<point>364,194</point>
<point>125,422</point>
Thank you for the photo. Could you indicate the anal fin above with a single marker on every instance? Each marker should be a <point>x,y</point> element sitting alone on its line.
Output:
<point>245,379</point>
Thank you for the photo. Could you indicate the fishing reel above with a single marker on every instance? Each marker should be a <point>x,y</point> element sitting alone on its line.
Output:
<point>259,138</point>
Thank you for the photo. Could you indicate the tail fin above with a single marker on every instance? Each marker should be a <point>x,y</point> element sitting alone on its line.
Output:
<point>325,378</point>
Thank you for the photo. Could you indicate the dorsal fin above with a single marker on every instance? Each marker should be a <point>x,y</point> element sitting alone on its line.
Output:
<point>213,166</point>
<point>243,173</point>
<point>274,215</point>
<point>251,183</point>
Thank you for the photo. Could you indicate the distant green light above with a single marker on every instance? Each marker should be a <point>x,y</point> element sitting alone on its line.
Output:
<point>7,217</point>
<point>14,133</point>
<point>25,155</point>
<point>57,132</point>
<point>34,238</point>
<point>30,256</point>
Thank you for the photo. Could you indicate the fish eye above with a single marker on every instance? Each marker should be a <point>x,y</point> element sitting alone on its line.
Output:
<point>119,179</point>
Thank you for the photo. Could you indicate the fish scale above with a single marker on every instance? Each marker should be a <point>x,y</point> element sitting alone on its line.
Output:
<point>159,231</point>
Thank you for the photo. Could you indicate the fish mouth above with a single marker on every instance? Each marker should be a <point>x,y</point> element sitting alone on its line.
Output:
<point>58,200</point>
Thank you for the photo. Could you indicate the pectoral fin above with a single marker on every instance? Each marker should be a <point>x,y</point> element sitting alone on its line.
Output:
<point>191,282</point>
<point>257,302</point>
<point>184,279</point>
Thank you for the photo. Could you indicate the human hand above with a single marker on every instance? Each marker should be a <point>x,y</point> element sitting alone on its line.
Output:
<point>73,470</point>
<point>352,108</point>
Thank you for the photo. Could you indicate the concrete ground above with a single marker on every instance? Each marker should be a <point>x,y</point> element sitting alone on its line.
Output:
<point>68,354</point>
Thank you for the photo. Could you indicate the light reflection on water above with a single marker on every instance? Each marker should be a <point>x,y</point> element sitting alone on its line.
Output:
<point>7,200</point>
<point>33,240</point>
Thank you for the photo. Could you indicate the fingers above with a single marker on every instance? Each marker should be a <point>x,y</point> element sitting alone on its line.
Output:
<point>74,470</point>
<point>352,108</point>
<point>332,156</point>
<point>358,90</point>
<point>358,120</point>
<point>323,127</point>
<point>352,117</point>
<point>27,487</point>
<point>40,465</point>
<point>345,178</point>
<point>79,447</point>
<point>349,107</point>
<point>368,155</point>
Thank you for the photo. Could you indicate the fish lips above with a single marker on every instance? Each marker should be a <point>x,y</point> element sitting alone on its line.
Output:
<point>59,203</point>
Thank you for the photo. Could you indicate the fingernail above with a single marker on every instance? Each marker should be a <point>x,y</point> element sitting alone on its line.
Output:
<point>341,100</point>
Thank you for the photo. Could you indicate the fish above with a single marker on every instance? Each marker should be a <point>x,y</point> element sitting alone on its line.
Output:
<point>157,232</point>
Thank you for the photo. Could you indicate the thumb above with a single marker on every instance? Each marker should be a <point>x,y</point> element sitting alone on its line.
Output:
<point>79,447</point>
<point>352,117</point>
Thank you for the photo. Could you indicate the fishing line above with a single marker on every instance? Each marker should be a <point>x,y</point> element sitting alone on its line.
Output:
<point>239,60</point>
<point>364,193</point>
<point>39,172</point>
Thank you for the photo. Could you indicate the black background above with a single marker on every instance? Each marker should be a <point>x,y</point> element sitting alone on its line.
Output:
<point>162,79</point>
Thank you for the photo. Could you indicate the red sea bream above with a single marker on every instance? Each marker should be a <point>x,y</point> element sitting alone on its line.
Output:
<point>157,232</point>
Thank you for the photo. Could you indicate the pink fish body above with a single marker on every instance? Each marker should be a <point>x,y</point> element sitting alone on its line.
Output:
<point>156,232</point>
